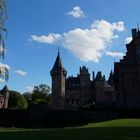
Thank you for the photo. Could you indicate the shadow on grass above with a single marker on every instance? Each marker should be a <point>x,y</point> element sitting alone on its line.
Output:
<point>97,133</point>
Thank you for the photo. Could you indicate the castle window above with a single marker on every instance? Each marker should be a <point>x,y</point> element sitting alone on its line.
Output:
<point>77,101</point>
<point>72,101</point>
<point>67,101</point>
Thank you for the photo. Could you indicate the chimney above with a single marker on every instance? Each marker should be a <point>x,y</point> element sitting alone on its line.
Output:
<point>134,33</point>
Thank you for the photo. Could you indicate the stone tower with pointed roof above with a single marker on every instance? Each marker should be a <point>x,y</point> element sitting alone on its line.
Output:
<point>111,78</point>
<point>58,74</point>
<point>4,97</point>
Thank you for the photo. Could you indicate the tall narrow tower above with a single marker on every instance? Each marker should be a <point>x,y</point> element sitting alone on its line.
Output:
<point>5,92</point>
<point>58,74</point>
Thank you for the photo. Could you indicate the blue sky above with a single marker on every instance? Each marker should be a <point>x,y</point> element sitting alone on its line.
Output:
<point>88,32</point>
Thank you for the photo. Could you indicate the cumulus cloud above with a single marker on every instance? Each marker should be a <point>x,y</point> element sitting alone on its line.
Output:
<point>50,38</point>
<point>115,54</point>
<point>128,40</point>
<point>76,12</point>
<point>90,44</point>
<point>20,72</point>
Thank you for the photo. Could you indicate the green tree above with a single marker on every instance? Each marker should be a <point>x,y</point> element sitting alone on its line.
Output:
<point>22,102</point>
<point>16,100</point>
<point>40,94</point>
<point>38,101</point>
<point>28,97</point>
<point>13,99</point>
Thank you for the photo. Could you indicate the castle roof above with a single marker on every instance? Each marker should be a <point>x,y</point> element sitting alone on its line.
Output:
<point>74,80</point>
<point>132,55</point>
<point>58,64</point>
<point>5,88</point>
<point>99,76</point>
<point>84,70</point>
<point>73,83</point>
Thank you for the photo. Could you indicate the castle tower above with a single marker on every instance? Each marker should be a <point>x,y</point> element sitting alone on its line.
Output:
<point>5,92</point>
<point>84,85</point>
<point>99,87</point>
<point>58,74</point>
<point>127,75</point>
<point>84,77</point>
<point>111,78</point>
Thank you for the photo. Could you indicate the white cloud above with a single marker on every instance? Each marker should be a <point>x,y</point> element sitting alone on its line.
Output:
<point>20,72</point>
<point>115,54</point>
<point>101,24</point>
<point>76,12</point>
<point>2,80</point>
<point>90,44</point>
<point>4,66</point>
<point>29,88</point>
<point>50,38</point>
<point>128,40</point>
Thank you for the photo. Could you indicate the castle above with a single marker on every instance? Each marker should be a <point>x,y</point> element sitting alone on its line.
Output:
<point>80,91</point>
<point>4,96</point>
<point>121,90</point>
<point>127,75</point>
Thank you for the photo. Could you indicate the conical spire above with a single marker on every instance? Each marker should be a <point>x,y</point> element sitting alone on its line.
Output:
<point>5,88</point>
<point>58,64</point>
<point>138,26</point>
<point>111,78</point>
<point>99,76</point>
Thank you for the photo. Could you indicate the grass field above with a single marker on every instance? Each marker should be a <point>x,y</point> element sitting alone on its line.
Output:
<point>121,129</point>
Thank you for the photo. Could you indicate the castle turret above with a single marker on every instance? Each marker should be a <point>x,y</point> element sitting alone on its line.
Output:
<point>84,77</point>
<point>58,74</point>
<point>111,79</point>
<point>5,92</point>
<point>99,87</point>
<point>134,33</point>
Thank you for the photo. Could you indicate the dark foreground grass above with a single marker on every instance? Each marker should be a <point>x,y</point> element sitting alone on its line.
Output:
<point>124,129</point>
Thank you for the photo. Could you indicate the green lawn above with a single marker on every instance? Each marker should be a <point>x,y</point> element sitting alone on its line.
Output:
<point>121,129</point>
